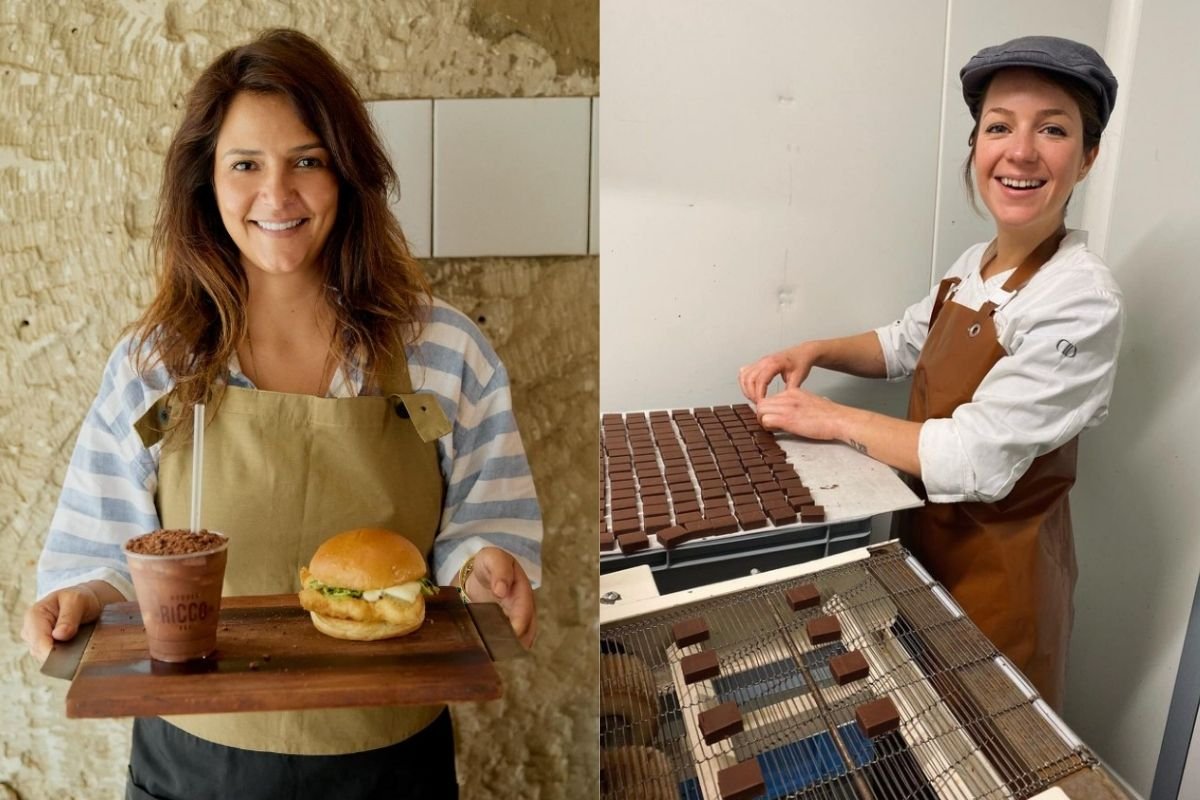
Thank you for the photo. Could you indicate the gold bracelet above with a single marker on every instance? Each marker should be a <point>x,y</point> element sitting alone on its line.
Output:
<point>463,575</point>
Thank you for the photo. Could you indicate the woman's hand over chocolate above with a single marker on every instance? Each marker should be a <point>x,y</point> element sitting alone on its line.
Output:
<point>793,365</point>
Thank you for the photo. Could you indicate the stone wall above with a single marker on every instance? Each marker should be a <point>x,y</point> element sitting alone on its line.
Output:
<point>90,93</point>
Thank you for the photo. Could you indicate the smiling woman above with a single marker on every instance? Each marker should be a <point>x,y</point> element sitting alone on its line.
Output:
<point>1011,356</point>
<point>289,302</point>
<point>275,189</point>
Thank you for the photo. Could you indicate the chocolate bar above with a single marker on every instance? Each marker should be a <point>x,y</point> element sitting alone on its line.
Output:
<point>632,542</point>
<point>689,632</point>
<point>802,597</point>
<point>812,513</point>
<point>850,666</point>
<point>700,666</point>
<point>720,723</point>
<point>823,630</point>
<point>780,515</point>
<point>675,535</point>
<point>877,717</point>
<point>741,781</point>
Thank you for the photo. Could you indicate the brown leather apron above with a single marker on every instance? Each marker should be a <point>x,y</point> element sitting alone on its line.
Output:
<point>282,473</point>
<point>1010,564</point>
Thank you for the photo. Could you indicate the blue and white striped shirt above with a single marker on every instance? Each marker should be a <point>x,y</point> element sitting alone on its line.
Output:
<point>108,494</point>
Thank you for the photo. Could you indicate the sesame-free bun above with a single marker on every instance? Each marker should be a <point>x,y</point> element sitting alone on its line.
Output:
<point>367,558</point>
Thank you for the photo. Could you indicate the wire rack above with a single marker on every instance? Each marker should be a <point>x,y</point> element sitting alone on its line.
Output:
<point>970,725</point>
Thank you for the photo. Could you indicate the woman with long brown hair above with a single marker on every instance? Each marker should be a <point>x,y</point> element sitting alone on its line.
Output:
<point>290,305</point>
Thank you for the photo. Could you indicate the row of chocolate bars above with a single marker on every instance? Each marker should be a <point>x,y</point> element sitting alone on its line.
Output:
<point>681,475</point>
<point>745,779</point>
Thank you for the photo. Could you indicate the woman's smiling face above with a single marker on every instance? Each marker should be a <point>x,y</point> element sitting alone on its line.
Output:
<point>275,187</point>
<point>1028,151</point>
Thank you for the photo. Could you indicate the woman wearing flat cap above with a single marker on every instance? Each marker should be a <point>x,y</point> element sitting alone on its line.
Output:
<point>1011,356</point>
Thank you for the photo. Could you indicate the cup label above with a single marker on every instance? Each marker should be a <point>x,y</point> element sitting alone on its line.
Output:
<point>183,610</point>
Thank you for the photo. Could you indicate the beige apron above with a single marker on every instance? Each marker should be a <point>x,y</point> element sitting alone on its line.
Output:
<point>282,473</point>
<point>1010,564</point>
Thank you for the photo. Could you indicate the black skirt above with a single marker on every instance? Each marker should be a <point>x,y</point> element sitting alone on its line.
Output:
<point>168,763</point>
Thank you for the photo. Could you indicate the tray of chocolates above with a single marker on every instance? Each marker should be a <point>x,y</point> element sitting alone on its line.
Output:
<point>671,477</point>
<point>861,679</point>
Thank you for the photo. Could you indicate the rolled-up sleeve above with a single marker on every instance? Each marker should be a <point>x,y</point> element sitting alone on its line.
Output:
<point>1055,381</point>
<point>902,340</point>
<point>490,496</point>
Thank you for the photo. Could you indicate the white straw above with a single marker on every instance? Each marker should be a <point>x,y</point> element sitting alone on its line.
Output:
<point>197,463</point>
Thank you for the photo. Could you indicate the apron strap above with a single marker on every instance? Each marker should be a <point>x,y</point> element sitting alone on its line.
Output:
<point>423,408</point>
<point>1034,261</point>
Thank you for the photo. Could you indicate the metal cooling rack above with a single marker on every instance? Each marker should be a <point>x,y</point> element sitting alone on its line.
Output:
<point>971,727</point>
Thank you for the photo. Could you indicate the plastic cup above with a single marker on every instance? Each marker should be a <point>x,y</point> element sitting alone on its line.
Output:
<point>180,599</point>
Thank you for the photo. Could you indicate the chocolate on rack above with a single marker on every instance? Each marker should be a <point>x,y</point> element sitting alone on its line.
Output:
<point>805,596</point>
<point>877,717</point>
<point>689,632</point>
<point>720,723</point>
<point>700,666</point>
<point>741,781</point>
<point>849,666</point>
<point>822,630</point>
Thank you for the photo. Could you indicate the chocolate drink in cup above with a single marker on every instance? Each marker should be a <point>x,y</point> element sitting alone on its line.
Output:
<point>178,577</point>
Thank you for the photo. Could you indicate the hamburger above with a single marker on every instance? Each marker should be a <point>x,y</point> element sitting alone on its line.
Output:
<point>365,584</point>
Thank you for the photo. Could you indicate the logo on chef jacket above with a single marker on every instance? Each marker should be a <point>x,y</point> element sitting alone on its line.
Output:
<point>1067,349</point>
<point>185,610</point>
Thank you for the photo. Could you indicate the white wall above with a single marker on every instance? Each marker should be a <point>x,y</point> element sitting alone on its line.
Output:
<point>767,175</point>
<point>1136,507</point>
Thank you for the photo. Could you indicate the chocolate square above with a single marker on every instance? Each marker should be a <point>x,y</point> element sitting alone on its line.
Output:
<point>877,717</point>
<point>675,535</point>
<point>822,630</point>
<point>632,542</point>
<point>720,723</point>
<point>812,513</point>
<point>655,524</point>
<point>773,498</point>
<point>653,507</point>
<point>781,515</point>
<point>690,631</point>
<point>800,501</point>
<point>849,666</point>
<point>607,540</point>
<point>805,596</point>
<point>722,524</point>
<point>621,514</point>
<point>684,517</point>
<point>700,666</point>
<point>741,781</point>
<point>750,519</point>
<point>624,526</point>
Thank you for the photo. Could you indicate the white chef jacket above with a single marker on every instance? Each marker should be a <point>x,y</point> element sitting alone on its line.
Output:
<point>1062,333</point>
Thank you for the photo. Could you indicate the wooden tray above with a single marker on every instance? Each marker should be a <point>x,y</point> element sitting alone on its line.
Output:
<point>270,658</point>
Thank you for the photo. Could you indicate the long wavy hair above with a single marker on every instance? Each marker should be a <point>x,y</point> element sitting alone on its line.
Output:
<point>373,284</point>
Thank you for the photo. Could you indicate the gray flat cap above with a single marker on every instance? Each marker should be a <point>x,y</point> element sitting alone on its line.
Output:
<point>1051,53</point>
